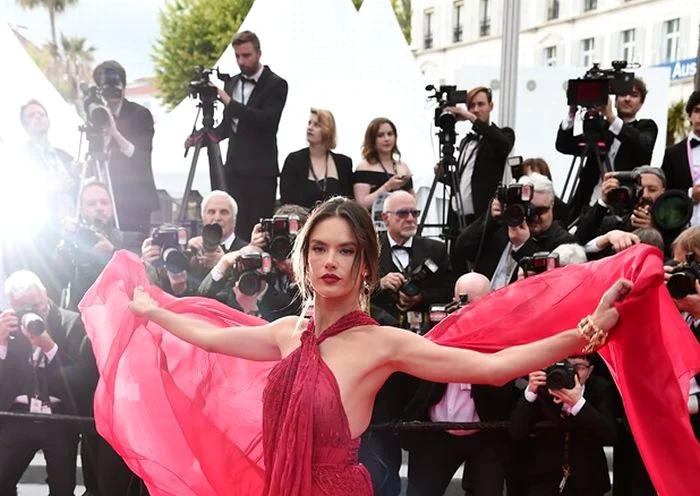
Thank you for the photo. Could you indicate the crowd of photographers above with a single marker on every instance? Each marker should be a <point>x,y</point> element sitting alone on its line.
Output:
<point>505,223</point>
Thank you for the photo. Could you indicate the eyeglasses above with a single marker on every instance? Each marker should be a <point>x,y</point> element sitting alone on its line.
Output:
<point>539,211</point>
<point>403,214</point>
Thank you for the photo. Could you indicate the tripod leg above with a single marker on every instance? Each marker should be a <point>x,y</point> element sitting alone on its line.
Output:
<point>104,176</point>
<point>427,206</point>
<point>216,166</point>
<point>182,215</point>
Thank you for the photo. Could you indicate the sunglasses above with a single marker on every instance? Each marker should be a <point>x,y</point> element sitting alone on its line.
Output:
<point>403,214</point>
<point>540,210</point>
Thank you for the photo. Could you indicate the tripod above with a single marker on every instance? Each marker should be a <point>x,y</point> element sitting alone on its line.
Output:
<point>199,138</point>
<point>447,174</point>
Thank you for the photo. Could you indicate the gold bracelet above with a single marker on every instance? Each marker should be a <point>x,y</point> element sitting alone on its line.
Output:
<point>590,331</point>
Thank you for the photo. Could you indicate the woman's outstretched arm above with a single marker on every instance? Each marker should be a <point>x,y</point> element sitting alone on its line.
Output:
<point>252,343</point>
<point>418,356</point>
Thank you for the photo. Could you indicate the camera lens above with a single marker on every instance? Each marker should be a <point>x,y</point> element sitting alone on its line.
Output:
<point>211,237</point>
<point>174,260</point>
<point>249,283</point>
<point>514,215</point>
<point>33,323</point>
<point>672,211</point>
<point>681,284</point>
<point>280,247</point>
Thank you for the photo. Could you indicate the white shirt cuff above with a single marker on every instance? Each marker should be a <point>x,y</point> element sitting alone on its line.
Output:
<point>592,246</point>
<point>567,123</point>
<point>693,404</point>
<point>516,248</point>
<point>577,407</point>
<point>530,396</point>
<point>128,150</point>
<point>616,126</point>
<point>216,274</point>
<point>3,351</point>
<point>51,353</point>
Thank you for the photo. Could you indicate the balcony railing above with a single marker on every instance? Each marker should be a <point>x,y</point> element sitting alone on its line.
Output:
<point>457,34</point>
<point>485,27</point>
<point>553,12</point>
<point>428,42</point>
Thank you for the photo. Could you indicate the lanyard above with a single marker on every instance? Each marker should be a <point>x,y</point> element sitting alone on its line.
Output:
<point>694,168</point>
<point>325,176</point>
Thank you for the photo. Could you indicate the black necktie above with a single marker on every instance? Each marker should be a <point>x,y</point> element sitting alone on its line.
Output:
<point>694,142</point>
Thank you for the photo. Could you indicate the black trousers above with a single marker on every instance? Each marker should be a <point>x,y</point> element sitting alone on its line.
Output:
<point>548,485</point>
<point>256,200</point>
<point>111,476</point>
<point>380,453</point>
<point>432,464</point>
<point>21,439</point>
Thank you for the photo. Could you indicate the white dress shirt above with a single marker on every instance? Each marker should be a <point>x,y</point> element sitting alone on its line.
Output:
<point>35,359</point>
<point>695,156</point>
<point>400,258</point>
<point>456,405</point>
<point>570,410</point>
<point>129,149</point>
<point>465,181</point>
<point>242,91</point>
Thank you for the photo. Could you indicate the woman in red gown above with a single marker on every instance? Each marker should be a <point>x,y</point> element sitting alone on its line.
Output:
<point>320,377</point>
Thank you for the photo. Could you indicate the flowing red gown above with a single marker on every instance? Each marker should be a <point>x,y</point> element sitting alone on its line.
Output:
<point>191,422</point>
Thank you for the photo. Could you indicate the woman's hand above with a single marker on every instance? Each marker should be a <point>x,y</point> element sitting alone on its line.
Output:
<point>606,315</point>
<point>396,182</point>
<point>142,303</point>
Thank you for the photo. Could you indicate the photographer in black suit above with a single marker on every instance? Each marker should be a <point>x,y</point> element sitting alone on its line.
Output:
<point>41,371</point>
<point>629,143</point>
<point>571,453</point>
<point>128,142</point>
<point>680,173</point>
<point>482,157</point>
<point>254,100</point>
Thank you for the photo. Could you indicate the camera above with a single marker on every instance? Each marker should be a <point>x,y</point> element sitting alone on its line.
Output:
<point>515,163</point>
<point>672,211</point>
<point>683,277</point>
<point>252,269</point>
<point>560,375</point>
<point>446,96</point>
<point>202,87</point>
<point>440,311</point>
<point>623,199</point>
<point>281,231</point>
<point>171,240</point>
<point>95,107</point>
<point>596,85</point>
<point>211,237</point>
<point>539,262</point>
<point>78,241</point>
<point>415,278</point>
<point>515,201</point>
<point>31,321</point>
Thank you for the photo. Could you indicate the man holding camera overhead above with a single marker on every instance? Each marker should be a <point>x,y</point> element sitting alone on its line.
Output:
<point>629,143</point>
<point>42,372</point>
<point>128,143</point>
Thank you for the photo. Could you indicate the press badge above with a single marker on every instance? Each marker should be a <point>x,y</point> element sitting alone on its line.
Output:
<point>37,406</point>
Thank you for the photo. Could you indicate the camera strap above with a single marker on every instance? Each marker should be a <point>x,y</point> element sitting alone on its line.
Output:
<point>325,176</point>
<point>694,168</point>
<point>38,392</point>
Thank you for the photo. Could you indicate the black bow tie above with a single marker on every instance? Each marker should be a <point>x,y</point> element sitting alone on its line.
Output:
<point>407,249</point>
<point>694,142</point>
<point>249,80</point>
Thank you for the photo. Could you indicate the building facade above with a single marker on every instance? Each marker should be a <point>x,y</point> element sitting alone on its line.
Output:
<point>451,34</point>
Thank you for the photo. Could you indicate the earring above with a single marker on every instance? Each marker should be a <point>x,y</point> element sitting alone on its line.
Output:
<point>366,287</point>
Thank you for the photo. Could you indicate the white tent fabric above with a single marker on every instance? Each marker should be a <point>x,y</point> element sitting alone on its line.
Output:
<point>316,45</point>
<point>22,80</point>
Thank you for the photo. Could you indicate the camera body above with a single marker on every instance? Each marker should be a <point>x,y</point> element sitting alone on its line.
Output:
<point>539,262</point>
<point>596,85</point>
<point>622,200</point>
<point>281,231</point>
<point>32,322</point>
<point>440,311</point>
<point>202,88</point>
<point>560,375</point>
<point>95,107</point>
<point>446,96</point>
<point>515,201</point>
<point>415,278</point>
<point>211,237</point>
<point>78,240</point>
<point>683,277</point>
<point>252,269</point>
<point>172,240</point>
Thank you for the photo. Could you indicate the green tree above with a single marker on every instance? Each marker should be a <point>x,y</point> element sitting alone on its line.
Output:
<point>192,33</point>
<point>403,11</point>
<point>77,59</point>
<point>53,6</point>
<point>676,122</point>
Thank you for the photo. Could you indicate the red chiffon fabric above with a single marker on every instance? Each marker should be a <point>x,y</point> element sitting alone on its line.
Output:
<point>189,422</point>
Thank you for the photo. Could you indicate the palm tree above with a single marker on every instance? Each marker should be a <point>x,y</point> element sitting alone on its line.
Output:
<point>77,60</point>
<point>53,6</point>
<point>676,122</point>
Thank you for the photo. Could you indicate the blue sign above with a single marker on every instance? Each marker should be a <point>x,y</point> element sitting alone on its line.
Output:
<point>681,69</point>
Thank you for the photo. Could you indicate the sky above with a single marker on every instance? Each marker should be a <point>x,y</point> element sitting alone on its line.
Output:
<point>124,30</point>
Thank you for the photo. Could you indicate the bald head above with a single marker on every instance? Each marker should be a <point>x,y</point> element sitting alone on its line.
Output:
<point>474,285</point>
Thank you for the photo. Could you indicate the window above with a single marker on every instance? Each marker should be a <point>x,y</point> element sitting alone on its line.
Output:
<point>672,33</point>
<point>590,5</point>
<point>587,52</point>
<point>484,19</point>
<point>550,56</point>
<point>628,45</point>
<point>553,10</point>
<point>428,29</point>
<point>457,30</point>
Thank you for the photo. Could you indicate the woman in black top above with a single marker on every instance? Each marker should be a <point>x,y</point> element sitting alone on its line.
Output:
<point>381,170</point>
<point>314,174</point>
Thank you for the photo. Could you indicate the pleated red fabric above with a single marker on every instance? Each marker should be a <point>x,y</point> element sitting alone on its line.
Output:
<point>190,422</point>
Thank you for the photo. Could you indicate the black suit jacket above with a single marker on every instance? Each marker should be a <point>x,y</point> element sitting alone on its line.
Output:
<point>132,177</point>
<point>676,167</point>
<point>495,237</point>
<point>494,146</point>
<point>437,287</point>
<point>295,174</point>
<point>65,374</point>
<point>637,140</point>
<point>590,430</point>
<point>252,150</point>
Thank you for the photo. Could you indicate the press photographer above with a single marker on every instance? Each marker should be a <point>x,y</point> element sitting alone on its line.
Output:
<point>628,142</point>
<point>41,371</point>
<point>414,271</point>
<point>568,459</point>
<point>481,157</point>
<point>258,278</point>
<point>128,136</point>
<point>520,224</point>
<point>89,242</point>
